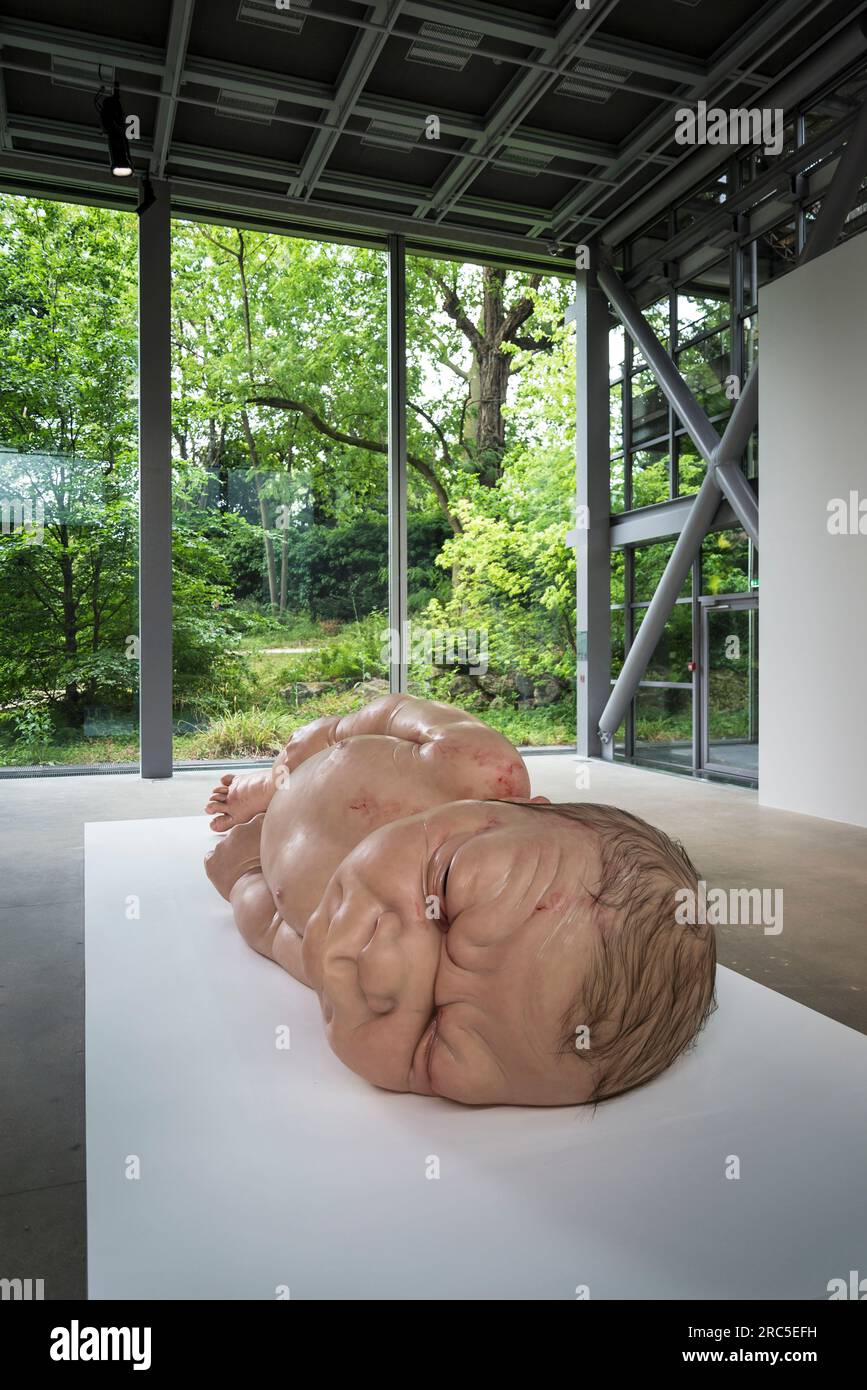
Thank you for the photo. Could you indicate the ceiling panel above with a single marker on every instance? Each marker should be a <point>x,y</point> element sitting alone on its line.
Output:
<point>425,115</point>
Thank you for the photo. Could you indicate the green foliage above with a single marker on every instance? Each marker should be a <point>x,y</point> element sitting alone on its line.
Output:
<point>725,563</point>
<point>261,360</point>
<point>68,426</point>
<point>248,733</point>
<point>514,575</point>
<point>261,731</point>
<point>34,732</point>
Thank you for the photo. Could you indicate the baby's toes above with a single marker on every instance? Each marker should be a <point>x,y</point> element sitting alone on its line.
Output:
<point>221,822</point>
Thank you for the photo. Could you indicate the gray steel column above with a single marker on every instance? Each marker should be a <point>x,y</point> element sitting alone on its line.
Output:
<point>592,495</point>
<point>397,545</point>
<point>669,378</point>
<point>730,475</point>
<point>730,478</point>
<point>699,675</point>
<point>670,584</point>
<point>155,487</point>
<point>742,420</point>
<point>727,472</point>
<point>727,460</point>
<point>838,201</point>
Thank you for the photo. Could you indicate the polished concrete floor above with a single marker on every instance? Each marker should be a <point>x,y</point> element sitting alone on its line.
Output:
<point>819,959</point>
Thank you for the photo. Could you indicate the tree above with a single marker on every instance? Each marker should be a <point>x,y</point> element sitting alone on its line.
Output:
<point>68,451</point>
<point>67,423</point>
<point>302,335</point>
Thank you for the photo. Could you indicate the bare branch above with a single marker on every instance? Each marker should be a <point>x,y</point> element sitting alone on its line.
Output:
<point>359,442</point>
<point>533,344</point>
<point>447,457</point>
<point>453,307</point>
<point>453,367</point>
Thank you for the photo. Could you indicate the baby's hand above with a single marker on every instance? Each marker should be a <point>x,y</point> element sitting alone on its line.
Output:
<point>309,739</point>
<point>234,856</point>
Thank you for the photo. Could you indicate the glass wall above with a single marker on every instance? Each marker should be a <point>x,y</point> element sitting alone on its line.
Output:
<point>491,497</point>
<point>68,485</point>
<point>709,323</point>
<point>280,544</point>
<point>710,327</point>
<point>697,705</point>
<point>730,645</point>
<point>662,715</point>
<point>280,510</point>
<point>653,458</point>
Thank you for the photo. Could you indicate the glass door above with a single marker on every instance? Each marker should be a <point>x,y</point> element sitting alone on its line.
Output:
<point>730,648</point>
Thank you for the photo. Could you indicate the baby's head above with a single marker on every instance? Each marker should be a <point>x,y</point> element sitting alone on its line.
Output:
<point>511,952</point>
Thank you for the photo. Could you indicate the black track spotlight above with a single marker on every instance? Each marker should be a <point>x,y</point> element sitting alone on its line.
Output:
<point>113,122</point>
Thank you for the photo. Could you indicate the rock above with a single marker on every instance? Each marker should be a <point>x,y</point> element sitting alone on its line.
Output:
<point>494,685</point>
<point>372,688</point>
<point>305,690</point>
<point>461,686</point>
<point>548,692</point>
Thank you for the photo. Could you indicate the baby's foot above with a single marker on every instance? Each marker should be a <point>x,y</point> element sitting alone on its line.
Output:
<point>238,799</point>
<point>236,854</point>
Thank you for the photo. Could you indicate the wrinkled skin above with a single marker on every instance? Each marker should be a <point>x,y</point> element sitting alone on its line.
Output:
<point>444,933</point>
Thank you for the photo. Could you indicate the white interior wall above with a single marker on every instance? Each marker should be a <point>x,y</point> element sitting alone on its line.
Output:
<point>813,448</point>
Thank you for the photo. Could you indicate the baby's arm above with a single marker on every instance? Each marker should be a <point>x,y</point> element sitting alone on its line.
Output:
<point>234,868</point>
<point>262,927</point>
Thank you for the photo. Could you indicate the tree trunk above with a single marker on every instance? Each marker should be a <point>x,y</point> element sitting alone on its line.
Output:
<point>216,463</point>
<point>284,537</point>
<point>269,544</point>
<point>284,569</point>
<point>490,424</point>
<point>263,510</point>
<point>72,695</point>
<point>484,424</point>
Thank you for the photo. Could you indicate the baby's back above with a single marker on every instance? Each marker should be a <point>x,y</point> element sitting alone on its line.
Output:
<point>333,801</point>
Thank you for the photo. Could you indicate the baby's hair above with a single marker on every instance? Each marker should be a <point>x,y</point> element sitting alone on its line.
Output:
<point>650,987</point>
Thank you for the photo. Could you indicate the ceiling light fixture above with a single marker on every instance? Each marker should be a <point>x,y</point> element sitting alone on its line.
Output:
<point>113,121</point>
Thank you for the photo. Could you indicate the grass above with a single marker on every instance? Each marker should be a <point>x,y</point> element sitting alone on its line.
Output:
<point>261,732</point>
<point>346,660</point>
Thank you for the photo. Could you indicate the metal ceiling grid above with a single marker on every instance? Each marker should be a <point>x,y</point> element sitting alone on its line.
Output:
<point>472,127</point>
